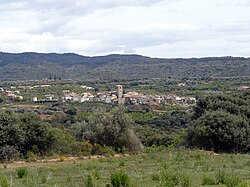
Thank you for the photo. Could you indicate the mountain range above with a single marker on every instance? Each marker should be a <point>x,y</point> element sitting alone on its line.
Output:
<point>35,66</point>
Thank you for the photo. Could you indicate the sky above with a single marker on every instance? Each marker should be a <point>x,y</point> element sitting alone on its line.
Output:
<point>155,28</point>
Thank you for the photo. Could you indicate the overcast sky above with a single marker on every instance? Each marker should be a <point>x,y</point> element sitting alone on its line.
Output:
<point>156,28</point>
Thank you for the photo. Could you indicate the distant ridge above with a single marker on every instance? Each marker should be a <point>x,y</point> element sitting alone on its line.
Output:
<point>31,65</point>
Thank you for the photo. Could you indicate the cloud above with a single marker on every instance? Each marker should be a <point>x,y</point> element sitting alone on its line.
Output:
<point>79,6</point>
<point>127,40</point>
<point>149,27</point>
<point>50,15</point>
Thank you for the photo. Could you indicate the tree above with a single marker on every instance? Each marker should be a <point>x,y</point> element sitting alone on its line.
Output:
<point>112,129</point>
<point>221,123</point>
<point>37,133</point>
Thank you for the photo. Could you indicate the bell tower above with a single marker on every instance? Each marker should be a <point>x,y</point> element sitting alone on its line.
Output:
<point>119,91</point>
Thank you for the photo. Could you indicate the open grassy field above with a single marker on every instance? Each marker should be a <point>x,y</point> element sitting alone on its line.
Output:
<point>166,168</point>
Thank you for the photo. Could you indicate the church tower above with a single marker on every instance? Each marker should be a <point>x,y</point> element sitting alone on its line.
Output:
<point>119,91</point>
<point>120,98</point>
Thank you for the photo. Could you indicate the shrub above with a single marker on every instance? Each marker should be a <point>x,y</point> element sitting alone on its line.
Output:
<point>185,181</point>
<point>31,156</point>
<point>4,181</point>
<point>155,177</point>
<point>96,175</point>
<point>122,164</point>
<point>119,178</point>
<point>220,177</point>
<point>89,181</point>
<point>208,181</point>
<point>21,172</point>
<point>107,150</point>
<point>171,179</point>
<point>221,123</point>
<point>62,158</point>
<point>230,180</point>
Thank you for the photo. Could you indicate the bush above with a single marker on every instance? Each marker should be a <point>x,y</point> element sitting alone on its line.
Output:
<point>31,156</point>
<point>221,123</point>
<point>220,177</point>
<point>171,179</point>
<point>96,175</point>
<point>185,181</point>
<point>21,172</point>
<point>4,181</point>
<point>208,181</point>
<point>155,177</point>
<point>220,131</point>
<point>89,181</point>
<point>119,178</point>
<point>62,158</point>
<point>230,180</point>
<point>121,164</point>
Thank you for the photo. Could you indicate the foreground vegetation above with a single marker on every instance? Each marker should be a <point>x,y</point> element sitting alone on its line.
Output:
<point>155,167</point>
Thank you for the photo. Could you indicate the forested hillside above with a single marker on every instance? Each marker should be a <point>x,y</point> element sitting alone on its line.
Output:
<point>26,66</point>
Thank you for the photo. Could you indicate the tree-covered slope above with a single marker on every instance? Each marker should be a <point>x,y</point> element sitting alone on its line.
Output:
<point>23,66</point>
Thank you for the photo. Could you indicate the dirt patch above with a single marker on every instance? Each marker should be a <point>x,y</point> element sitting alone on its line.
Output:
<point>55,160</point>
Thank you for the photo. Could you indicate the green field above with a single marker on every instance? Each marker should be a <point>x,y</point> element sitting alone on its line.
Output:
<point>165,168</point>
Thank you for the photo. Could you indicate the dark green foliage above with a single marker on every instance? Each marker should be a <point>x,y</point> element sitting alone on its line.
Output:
<point>21,172</point>
<point>11,132</point>
<point>208,181</point>
<point>222,123</point>
<point>89,181</point>
<point>155,177</point>
<point>162,129</point>
<point>100,133</point>
<point>221,177</point>
<point>119,179</point>
<point>21,133</point>
<point>112,129</point>
<point>96,175</point>
<point>220,131</point>
<point>36,133</point>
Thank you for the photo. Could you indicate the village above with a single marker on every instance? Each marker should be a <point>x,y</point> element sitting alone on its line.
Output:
<point>116,97</point>
<point>126,98</point>
<point>46,94</point>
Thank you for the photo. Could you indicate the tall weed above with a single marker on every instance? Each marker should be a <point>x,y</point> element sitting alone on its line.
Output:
<point>120,178</point>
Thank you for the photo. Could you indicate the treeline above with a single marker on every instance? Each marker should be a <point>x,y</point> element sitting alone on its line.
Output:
<point>24,135</point>
<point>162,129</point>
<point>219,122</point>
